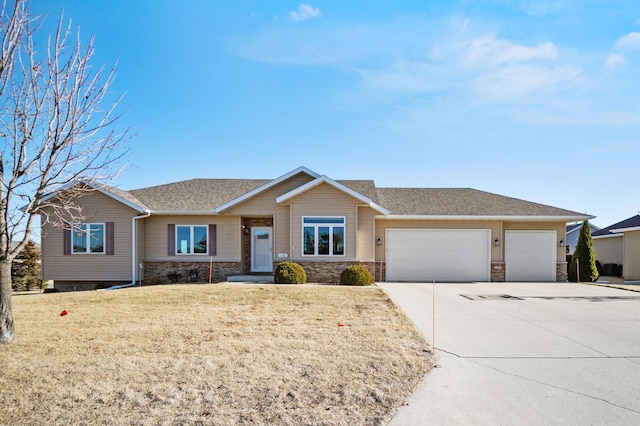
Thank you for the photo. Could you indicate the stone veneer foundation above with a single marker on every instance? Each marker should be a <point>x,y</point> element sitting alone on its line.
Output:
<point>158,272</point>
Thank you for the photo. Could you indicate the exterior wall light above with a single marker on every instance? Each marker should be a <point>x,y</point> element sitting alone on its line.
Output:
<point>379,241</point>
<point>496,242</point>
<point>561,243</point>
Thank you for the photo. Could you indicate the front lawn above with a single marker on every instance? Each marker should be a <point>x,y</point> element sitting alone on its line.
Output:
<point>217,354</point>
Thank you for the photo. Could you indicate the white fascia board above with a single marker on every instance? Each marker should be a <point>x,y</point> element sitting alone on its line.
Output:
<point>324,179</point>
<point>600,237</point>
<point>264,187</point>
<point>633,228</point>
<point>184,212</point>
<point>101,189</point>
<point>128,203</point>
<point>565,219</point>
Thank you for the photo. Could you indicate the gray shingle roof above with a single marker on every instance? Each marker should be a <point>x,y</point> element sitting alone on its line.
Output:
<point>199,195</point>
<point>461,202</point>
<point>632,222</point>
<point>195,194</point>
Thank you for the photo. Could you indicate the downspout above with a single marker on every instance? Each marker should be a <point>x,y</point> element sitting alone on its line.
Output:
<point>133,252</point>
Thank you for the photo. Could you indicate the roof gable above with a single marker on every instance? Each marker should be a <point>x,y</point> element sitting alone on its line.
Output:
<point>264,187</point>
<point>324,179</point>
<point>119,195</point>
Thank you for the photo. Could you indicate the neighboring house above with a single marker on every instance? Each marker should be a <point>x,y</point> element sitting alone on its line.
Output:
<point>619,244</point>
<point>246,226</point>
<point>572,234</point>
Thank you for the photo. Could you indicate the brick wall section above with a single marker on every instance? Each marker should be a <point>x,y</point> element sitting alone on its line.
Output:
<point>561,272</point>
<point>497,272</point>
<point>156,272</point>
<point>329,272</point>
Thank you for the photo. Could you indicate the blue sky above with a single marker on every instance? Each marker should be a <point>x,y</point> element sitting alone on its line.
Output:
<point>538,100</point>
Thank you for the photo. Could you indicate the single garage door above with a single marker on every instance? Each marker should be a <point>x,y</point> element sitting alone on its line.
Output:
<point>438,254</point>
<point>530,255</point>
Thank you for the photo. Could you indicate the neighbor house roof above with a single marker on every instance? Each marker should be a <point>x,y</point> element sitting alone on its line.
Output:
<point>574,227</point>
<point>632,222</point>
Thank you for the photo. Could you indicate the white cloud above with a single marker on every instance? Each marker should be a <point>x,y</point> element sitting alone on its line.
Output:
<point>629,41</point>
<point>520,80</point>
<point>304,12</point>
<point>497,52</point>
<point>614,60</point>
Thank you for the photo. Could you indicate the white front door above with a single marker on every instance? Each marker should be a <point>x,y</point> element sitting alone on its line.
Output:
<point>261,251</point>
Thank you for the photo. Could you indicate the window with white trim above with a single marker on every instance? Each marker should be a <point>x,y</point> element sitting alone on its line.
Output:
<point>191,239</point>
<point>88,238</point>
<point>323,236</point>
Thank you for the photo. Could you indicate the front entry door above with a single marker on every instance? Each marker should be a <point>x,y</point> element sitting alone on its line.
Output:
<point>261,251</point>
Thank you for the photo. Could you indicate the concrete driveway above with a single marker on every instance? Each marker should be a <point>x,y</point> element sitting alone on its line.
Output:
<point>525,354</point>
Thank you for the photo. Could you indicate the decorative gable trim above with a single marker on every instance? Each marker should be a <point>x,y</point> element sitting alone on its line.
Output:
<point>324,179</point>
<point>265,187</point>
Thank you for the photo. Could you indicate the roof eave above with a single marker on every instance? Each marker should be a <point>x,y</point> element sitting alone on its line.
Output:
<point>184,212</point>
<point>564,219</point>
<point>600,237</point>
<point>100,188</point>
<point>620,230</point>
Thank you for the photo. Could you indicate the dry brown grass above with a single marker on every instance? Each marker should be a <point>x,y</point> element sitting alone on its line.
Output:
<point>210,355</point>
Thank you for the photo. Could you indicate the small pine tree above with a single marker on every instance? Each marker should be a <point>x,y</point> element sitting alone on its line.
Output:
<point>583,261</point>
<point>25,270</point>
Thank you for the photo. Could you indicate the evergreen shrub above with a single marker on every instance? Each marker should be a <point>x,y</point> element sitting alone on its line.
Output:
<point>356,275</point>
<point>289,272</point>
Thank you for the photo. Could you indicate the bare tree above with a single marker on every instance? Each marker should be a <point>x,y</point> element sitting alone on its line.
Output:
<point>58,131</point>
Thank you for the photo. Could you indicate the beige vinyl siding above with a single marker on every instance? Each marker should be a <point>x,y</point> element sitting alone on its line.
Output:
<point>97,208</point>
<point>264,205</point>
<point>281,233</point>
<point>366,239</point>
<point>495,226</point>
<point>227,237</point>
<point>324,200</point>
<point>631,264</point>
<point>559,227</point>
<point>608,250</point>
<point>140,226</point>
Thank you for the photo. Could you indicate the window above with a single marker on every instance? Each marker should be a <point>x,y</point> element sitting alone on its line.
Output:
<point>88,238</point>
<point>323,236</point>
<point>191,239</point>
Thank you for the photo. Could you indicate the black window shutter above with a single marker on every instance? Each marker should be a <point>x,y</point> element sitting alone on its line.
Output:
<point>171,241</point>
<point>212,240</point>
<point>108,244</point>
<point>66,241</point>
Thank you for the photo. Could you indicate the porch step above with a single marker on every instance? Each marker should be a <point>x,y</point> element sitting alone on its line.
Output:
<point>250,279</point>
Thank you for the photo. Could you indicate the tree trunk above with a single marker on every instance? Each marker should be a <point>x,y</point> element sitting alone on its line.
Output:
<point>6,316</point>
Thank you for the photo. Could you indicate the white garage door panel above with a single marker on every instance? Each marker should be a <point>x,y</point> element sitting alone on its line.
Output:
<point>438,254</point>
<point>530,255</point>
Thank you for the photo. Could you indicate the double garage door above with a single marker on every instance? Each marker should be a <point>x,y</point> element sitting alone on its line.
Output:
<point>438,254</point>
<point>464,255</point>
